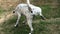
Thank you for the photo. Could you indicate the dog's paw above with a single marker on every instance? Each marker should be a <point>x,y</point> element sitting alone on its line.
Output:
<point>15,26</point>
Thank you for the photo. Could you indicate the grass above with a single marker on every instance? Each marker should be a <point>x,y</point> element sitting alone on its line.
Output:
<point>50,26</point>
<point>2,11</point>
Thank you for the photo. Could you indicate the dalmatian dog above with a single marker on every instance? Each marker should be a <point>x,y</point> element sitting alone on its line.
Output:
<point>27,10</point>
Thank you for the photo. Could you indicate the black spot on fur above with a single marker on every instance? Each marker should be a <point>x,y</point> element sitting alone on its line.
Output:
<point>13,11</point>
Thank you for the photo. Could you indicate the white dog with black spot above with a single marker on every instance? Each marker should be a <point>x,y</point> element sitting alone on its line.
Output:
<point>24,9</point>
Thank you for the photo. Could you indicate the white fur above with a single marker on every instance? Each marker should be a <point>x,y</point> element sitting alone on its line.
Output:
<point>36,10</point>
<point>23,9</point>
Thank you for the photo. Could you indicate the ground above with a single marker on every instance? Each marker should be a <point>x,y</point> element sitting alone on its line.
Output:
<point>48,26</point>
<point>50,9</point>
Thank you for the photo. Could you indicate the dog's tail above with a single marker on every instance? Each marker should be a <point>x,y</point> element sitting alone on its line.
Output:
<point>28,2</point>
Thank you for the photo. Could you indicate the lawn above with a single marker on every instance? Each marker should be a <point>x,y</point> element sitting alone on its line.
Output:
<point>49,26</point>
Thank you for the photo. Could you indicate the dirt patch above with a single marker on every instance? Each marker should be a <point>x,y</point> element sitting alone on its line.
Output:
<point>5,17</point>
<point>6,4</point>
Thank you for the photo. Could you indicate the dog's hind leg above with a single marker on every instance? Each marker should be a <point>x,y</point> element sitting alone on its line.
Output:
<point>19,15</point>
<point>29,21</point>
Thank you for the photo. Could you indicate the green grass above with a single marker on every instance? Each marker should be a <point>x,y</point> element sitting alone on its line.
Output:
<point>1,11</point>
<point>49,26</point>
